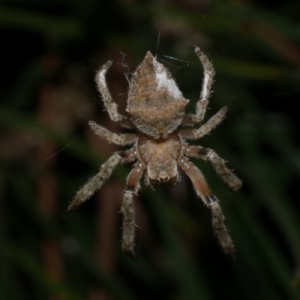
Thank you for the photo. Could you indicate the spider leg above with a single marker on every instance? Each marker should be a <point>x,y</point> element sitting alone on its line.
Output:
<point>127,209</point>
<point>218,163</point>
<point>211,201</point>
<point>115,138</point>
<point>195,134</point>
<point>104,173</point>
<point>106,96</point>
<point>202,103</point>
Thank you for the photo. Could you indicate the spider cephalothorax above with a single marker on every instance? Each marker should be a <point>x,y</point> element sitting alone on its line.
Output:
<point>156,109</point>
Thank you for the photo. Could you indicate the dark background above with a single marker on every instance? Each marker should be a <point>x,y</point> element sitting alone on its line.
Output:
<point>50,51</point>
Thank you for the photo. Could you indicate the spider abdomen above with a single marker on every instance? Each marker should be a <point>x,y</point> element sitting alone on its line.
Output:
<point>155,104</point>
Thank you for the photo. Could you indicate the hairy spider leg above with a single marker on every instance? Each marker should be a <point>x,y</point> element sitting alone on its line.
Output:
<point>119,139</point>
<point>127,208</point>
<point>195,134</point>
<point>230,179</point>
<point>208,75</point>
<point>110,105</point>
<point>104,173</point>
<point>211,201</point>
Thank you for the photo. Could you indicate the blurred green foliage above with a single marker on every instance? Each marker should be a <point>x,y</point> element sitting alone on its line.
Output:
<point>50,51</point>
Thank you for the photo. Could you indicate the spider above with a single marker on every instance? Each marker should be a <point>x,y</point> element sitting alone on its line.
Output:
<point>156,109</point>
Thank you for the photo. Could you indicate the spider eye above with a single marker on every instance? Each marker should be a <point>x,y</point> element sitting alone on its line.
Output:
<point>163,177</point>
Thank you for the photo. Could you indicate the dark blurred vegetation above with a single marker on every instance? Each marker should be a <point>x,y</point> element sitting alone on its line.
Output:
<point>50,51</point>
